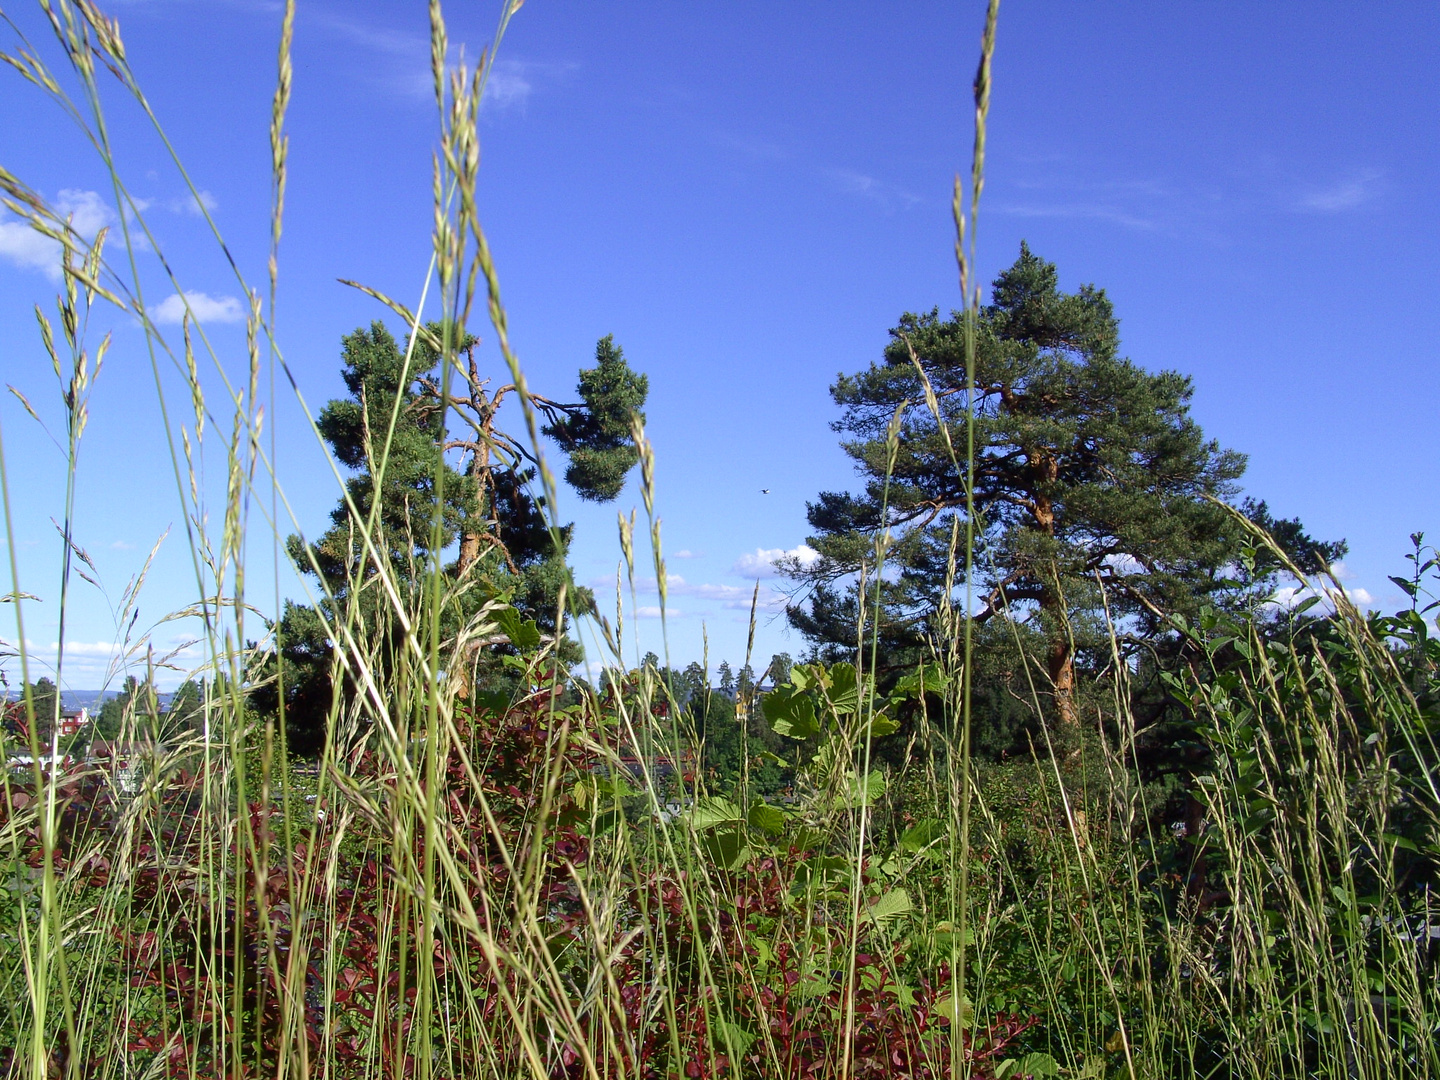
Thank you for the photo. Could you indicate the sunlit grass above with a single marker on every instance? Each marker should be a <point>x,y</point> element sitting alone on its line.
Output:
<point>544,887</point>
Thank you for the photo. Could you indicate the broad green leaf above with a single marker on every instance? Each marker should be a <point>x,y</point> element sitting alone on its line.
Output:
<point>888,908</point>
<point>882,724</point>
<point>844,691</point>
<point>957,1012</point>
<point>735,1037</point>
<point>767,818</point>
<point>791,713</point>
<point>807,839</point>
<point>929,679</point>
<point>614,786</point>
<point>709,813</point>
<point>921,835</point>
<point>869,790</point>
<point>524,635</point>
<point>727,848</point>
<point>1037,1065</point>
<point>491,701</point>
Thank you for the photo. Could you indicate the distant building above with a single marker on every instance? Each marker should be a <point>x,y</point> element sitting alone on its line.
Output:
<point>71,721</point>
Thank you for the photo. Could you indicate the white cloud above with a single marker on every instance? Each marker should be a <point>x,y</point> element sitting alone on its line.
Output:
<point>1124,564</point>
<point>1291,596</point>
<point>1343,194</point>
<point>760,563</point>
<point>31,250</point>
<point>767,600</point>
<point>403,62</point>
<point>181,204</point>
<point>887,196</point>
<point>653,612</point>
<point>686,553</point>
<point>1076,210</point>
<point>508,85</point>
<point>203,308</point>
<point>678,586</point>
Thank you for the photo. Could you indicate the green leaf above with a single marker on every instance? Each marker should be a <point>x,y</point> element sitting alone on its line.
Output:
<point>727,848</point>
<point>928,679</point>
<point>525,636</point>
<point>791,713</point>
<point>1038,1065</point>
<point>766,818</point>
<point>882,724</point>
<point>844,690</point>
<point>869,790</point>
<point>807,839</point>
<point>921,835</point>
<point>957,1012</point>
<point>710,813</point>
<point>614,786</point>
<point>491,701</point>
<point>888,908</point>
<point>735,1037</point>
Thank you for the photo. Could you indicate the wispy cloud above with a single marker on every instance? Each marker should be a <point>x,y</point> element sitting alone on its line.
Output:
<point>653,612</point>
<point>1342,195</point>
<point>686,553</point>
<point>733,597</point>
<point>1076,210</point>
<point>193,205</point>
<point>885,195</point>
<point>761,563</point>
<point>404,63</point>
<point>1292,596</point>
<point>31,250</point>
<point>203,308</point>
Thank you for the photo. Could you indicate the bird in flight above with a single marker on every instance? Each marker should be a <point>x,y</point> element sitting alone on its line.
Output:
<point>764,491</point>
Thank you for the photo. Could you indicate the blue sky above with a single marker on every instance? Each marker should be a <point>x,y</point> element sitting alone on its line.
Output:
<point>747,196</point>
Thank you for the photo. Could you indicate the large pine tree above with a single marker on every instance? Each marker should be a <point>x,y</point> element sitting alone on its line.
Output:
<point>1093,484</point>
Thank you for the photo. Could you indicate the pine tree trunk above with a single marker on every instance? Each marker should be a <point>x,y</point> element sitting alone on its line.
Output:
<point>1044,468</point>
<point>1062,678</point>
<point>469,551</point>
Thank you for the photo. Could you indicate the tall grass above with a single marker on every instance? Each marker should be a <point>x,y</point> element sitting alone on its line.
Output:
<point>460,889</point>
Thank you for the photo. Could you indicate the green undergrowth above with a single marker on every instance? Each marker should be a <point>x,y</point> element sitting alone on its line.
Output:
<point>479,864</point>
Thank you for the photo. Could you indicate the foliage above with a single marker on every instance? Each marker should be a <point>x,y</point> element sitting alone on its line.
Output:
<point>1094,487</point>
<point>392,432</point>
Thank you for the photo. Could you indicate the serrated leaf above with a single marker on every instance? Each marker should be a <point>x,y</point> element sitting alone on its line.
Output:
<point>735,1037</point>
<point>727,848</point>
<point>870,789</point>
<point>883,724</point>
<point>768,819</point>
<point>928,679</point>
<point>791,713</point>
<point>921,835</point>
<point>956,1011</point>
<point>844,690</point>
<point>1038,1065</point>
<point>888,908</point>
<point>713,812</point>
<point>523,634</point>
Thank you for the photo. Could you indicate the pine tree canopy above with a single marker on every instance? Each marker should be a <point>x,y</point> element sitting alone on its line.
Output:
<point>1094,486</point>
<point>597,436</point>
<point>420,457</point>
